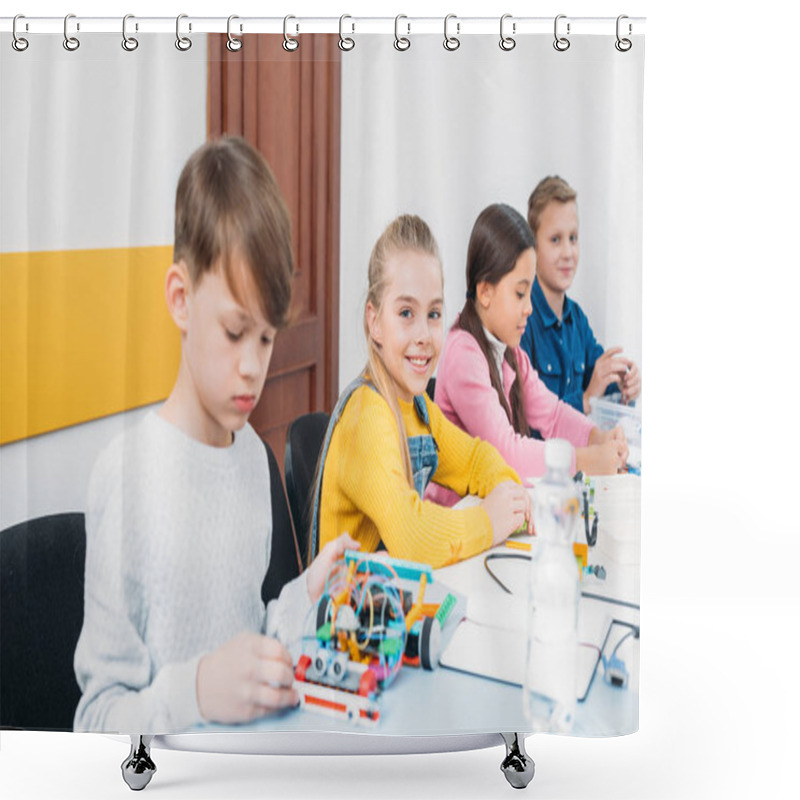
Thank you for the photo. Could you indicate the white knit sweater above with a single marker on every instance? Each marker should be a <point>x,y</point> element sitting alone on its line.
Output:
<point>178,537</point>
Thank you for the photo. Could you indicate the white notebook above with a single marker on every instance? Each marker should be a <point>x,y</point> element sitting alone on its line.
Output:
<point>491,640</point>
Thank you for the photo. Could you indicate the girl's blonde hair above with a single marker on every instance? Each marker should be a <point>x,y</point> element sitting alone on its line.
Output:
<point>406,232</point>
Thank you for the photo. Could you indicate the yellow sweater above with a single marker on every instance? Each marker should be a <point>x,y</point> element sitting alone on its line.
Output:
<point>366,494</point>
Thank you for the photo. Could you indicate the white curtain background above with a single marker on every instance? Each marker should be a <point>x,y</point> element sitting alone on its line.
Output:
<point>445,134</point>
<point>92,146</point>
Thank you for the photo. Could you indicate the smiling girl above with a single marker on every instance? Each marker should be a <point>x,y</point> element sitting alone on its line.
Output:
<point>386,439</point>
<point>486,384</point>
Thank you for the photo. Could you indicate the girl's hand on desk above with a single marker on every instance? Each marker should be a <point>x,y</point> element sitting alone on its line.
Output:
<point>247,677</point>
<point>509,508</point>
<point>317,573</point>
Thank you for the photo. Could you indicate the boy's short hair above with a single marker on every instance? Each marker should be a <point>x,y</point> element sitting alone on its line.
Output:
<point>229,203</point>
<point>547,190</point>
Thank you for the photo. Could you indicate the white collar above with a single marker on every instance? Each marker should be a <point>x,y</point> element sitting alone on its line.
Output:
<point>498,350</point>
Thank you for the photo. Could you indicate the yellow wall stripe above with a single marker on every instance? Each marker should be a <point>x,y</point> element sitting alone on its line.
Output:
<point>83,334</point>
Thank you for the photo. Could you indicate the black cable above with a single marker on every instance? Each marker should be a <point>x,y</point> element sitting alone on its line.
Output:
<point>634,631</point>
<point>612,600</point>
<point>492,557</point>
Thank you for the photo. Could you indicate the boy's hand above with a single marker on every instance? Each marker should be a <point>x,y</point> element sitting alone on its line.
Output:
<point>608,369</point>
<point>631,384</point>
<point>509,508</point>
<point>317,573</point>
<point>247,677</point>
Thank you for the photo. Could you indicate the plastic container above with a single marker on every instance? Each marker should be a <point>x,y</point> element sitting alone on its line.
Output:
<point>618,503</point>
<point>550,685</point>
<point>607,414</point>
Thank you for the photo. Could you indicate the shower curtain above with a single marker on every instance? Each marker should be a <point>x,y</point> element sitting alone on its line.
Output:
<point>93,140</point>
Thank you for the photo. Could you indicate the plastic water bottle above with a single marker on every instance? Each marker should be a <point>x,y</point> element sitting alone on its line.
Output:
<point>550,686</point>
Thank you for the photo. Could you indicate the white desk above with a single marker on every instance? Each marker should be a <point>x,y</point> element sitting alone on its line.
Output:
<point>447,701</point>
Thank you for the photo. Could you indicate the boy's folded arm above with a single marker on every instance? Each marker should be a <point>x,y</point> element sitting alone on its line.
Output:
<point>410,528</point>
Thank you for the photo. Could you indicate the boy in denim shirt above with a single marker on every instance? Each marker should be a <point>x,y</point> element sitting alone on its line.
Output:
<point>558,338</point>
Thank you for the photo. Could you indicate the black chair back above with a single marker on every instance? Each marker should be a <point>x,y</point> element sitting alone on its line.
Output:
<point>41,614</point>
<point>285,563</point>
<point>303,445</point>
<point>431,388</point>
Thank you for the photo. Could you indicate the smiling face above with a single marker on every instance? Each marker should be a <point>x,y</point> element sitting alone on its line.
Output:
<point>557,247</point>
<point>504,307</point>
<point>225,354</point>
<point>408,328</point>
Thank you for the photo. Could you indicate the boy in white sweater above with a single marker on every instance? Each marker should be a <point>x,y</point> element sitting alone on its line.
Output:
<point>179,520</point>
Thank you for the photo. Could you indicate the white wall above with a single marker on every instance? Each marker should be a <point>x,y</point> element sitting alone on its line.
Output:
<point>91,146</point>
<point>444,135</point>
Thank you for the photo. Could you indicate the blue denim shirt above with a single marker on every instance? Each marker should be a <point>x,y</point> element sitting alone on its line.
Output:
<point>563,351</point>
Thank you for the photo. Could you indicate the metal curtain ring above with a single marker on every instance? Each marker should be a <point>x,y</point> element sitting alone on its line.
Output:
<point>234,44</point>
<point>507,42</point>
<point>128,42</point>
<point>561,43</point>
<point>623,45</point>
<point>451,43</point>
<point>345,42</point>
<point>401,42</point>
<point>71,43</point>
<point>18,43</point>
<point>183,43</point>
<point>290,44</point>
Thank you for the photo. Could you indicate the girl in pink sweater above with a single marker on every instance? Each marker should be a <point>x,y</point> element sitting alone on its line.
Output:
<point>485,382</point>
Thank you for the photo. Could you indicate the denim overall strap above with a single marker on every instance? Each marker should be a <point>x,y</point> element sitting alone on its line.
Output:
<point>335,417</point>
<point>423,450</point>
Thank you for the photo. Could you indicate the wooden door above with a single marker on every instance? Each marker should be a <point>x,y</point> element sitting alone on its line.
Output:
<point>288,106</point>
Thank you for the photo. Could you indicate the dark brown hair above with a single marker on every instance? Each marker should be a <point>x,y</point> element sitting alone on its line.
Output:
<point>548,190</point>
<point>500,235</point>
<point>228,204</point>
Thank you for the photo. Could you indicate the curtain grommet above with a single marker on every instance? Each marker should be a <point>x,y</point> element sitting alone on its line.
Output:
<point>182,43</point>
<point>234,43</point>
<point>451,43</point>
<point>290,43</point>
<point>507,43</point>
<point>19,43</point>
<point>346,43</point>
<point>401,43</point>
<point>129,43</point>
<point>70,43</point>
<point>561,43</point>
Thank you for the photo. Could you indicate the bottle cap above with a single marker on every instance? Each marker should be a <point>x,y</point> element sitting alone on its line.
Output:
<point>557,454</point>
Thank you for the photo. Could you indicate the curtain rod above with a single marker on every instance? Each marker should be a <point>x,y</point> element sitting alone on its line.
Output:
<point>348,25</point>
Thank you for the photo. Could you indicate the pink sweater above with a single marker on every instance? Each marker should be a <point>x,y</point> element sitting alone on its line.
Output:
<point>465,394</point>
